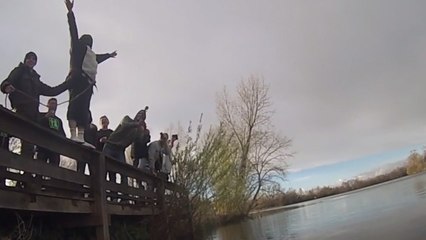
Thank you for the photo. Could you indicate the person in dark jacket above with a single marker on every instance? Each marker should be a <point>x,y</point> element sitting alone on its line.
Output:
<point>139,148</point>
<point>54,123</point>
<point>127,132</point>
<point>82,77</point>
<point>103,133</point>
<point>139,151</point>
<point>24,88</point>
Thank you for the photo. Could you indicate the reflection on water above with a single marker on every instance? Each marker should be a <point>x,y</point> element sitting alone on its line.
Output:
<point>393,210</point>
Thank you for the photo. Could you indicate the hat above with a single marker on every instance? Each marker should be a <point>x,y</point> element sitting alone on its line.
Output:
<point>29,54</point>
<point>87,40</point>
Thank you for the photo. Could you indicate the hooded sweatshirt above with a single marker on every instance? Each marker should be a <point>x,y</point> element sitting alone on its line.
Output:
<point>126,133</point>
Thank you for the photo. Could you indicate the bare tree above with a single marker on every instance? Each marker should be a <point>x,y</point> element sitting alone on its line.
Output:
<point>246,116</point>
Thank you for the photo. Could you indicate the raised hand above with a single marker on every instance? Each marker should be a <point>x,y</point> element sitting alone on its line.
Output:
<point>9,88</point>
<point>113,54</point>
<point>69,5</point>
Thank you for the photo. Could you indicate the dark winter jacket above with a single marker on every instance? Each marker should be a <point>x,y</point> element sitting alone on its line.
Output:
<point>139,147</point>
<point>126,133</point>
<point>100,134</point>
<point>28,87</point>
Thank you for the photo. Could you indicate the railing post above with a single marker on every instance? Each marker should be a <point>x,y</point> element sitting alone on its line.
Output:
<point>2,178</point>
<point>161,204</point>
<point>100,212</point>
<point>159,224</point>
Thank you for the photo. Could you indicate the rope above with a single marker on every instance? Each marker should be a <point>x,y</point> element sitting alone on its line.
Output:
<point>91,83</point>
<point>78,95</point>
<point>40,103</point>
<point>30,97</point>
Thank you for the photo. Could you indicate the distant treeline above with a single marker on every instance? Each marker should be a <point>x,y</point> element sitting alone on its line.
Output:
<point>415,163</point>
<point>292,196</point>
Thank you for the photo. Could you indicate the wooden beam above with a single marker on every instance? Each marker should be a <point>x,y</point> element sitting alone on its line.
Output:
<point>125,189</point>
<point>51,182</point>
<point>116,209</point>
<point>12,160</point>
<point>32,132</point>
<point>22,201</point>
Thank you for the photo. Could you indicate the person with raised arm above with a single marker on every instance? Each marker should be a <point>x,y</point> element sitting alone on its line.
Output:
<point>82,77</point>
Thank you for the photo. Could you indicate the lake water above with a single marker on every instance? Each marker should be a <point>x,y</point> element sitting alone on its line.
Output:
<point>394,210</point>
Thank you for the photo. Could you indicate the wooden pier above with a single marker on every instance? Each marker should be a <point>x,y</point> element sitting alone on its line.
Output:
<point>88,197</point>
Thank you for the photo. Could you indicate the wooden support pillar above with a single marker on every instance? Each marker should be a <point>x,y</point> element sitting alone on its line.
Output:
<point>159,229</point>
<point>100,209</point>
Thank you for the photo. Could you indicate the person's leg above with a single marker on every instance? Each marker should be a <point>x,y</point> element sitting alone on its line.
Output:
<point>54,159</point>
<point>80,132</point>
<point>73,129</point>
<point>143,164</point>
<point>78,110</point>
<point>42,155</point>
<point>27,149</point>
<point>4,141</point>
<point>122,158</point>
<point>83,116</point>
<point>136,162</point>
<point>73,105</point>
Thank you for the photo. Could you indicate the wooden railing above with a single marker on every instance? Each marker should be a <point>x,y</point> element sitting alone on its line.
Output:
<point>29,184</point>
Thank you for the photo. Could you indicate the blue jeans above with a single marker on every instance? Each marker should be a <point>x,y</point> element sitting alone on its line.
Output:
<point>114,152</point>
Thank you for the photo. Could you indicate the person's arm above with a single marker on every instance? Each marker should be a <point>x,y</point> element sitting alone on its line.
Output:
<point>102,57</point>
<point>127,122</point>
<point>152,152</point>
<point>7,85</point>
<point>132,151</point>
<point>146,137</point>
<point>61,128</point>
<point>47,90</point>
<point>72,23</point>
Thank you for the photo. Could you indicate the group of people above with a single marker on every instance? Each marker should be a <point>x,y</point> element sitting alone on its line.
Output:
<point>24,88</point>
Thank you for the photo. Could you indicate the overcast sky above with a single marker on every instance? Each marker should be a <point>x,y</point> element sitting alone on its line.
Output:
<point>347,78</point>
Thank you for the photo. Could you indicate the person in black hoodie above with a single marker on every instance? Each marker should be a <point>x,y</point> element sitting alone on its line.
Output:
<point>82,77</point>
<point>103,133</point>
<point>24,88</point>
<point>139,148</point>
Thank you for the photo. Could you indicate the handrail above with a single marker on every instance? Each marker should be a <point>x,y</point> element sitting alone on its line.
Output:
<point>44,187</point>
